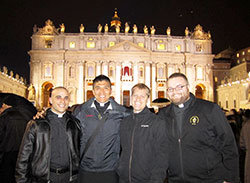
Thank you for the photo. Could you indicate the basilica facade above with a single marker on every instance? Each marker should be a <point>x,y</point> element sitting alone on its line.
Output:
<point>123,53</point>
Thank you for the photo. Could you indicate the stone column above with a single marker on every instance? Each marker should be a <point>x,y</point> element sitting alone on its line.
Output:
<point>105,68</point>
<point>98,68</point>
<point>153,79</point>
<point>117,86</point>
<point>135,72</point>
<point>147,74</point>
<point>59,73</point>
<point>80,78</point>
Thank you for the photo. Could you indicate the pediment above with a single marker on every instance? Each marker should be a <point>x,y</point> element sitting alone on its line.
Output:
<point>126,46</point>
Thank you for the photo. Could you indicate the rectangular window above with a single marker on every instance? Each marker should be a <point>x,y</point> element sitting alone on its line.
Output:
<point>111,43</point>
<point>199,73</point>
<point>160,46</point>
<point>198,48</point>
<point>226,104</point>
<point>178,47</point>
<point>48,43</point>
<point>141,45</point>
<point>90,44</point>
<point>234,103</point>
<point>72,44</point>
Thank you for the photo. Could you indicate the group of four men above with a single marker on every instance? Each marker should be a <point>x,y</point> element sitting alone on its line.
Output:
<point>104,142</point>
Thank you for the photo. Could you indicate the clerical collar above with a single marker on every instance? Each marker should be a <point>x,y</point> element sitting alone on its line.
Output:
<point>106,104</point>
<point>185,104</point>
<point>181,105</point>
<point>58,115</point>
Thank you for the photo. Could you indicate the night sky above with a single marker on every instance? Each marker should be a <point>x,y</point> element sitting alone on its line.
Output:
<point>227,20</point>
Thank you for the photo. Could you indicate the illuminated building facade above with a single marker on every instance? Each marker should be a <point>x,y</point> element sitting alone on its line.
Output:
<point>233,90</point>
<point>12,83</point>
<point>126,56</point>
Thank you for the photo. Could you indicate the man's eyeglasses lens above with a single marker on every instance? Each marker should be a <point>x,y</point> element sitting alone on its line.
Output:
<point>177,88</point>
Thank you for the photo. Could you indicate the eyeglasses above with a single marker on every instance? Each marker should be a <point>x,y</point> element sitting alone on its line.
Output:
<point>177,88</point>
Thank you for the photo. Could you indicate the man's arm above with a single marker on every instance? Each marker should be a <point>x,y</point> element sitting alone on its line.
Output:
<point>25,153</point>
<point>160,160</point>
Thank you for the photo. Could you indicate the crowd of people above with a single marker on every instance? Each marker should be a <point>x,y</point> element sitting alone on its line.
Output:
<point>100,141</point>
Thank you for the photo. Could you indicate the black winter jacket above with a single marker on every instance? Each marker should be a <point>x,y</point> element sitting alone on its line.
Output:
<point>12,127</point>
<point>33,163</point>
<point>103,153</point>
<point>144,149</point>
<point>206,150</point>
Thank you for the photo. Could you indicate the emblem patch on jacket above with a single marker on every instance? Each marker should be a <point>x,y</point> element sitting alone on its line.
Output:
<point>144,126</point>
<point>194,120</point>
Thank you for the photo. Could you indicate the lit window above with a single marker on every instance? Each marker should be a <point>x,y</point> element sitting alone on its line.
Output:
<point>72,44</point>
<point>90,71</point>
<point>111,43</point>
<point>111,72</point>
<point>141,45</point>
<point>243,53</point>
<point>91,44</point>
<point>215,79</point>
<point>160,72</point>
<point>178,47</point>
<point>238,55</point>
<point>141,72</point>
<point>248,51</point>
<point>238,61</point>
<point>48,43</point>
<point>160,46</point>
<point>244,59</point>
<point>199,73</point>
<point>199,48</point>
<point>48,69</point>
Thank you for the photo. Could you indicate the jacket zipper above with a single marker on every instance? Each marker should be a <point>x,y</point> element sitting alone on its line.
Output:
<point>181,160</point>
<point>131,153</point>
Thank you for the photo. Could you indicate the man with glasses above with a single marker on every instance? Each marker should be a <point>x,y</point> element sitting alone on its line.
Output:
<point>203,148</point>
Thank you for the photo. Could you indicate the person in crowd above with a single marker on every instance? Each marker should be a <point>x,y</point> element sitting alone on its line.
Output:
<point>50,149</point>
<point>245,146</point>
<point>100,119</point>
<point>143,142</point>
<point>201,142</point>
<point>12,127</point>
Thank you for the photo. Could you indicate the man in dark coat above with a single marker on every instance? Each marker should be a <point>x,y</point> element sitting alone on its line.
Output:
<point>51,146</point>
<point>143,142</point>
<point>201,142</point>
<point>99,156</point>
<point>12,127</point>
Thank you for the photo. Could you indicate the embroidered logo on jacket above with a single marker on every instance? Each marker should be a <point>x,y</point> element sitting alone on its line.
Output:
<point>89,115</point>
<point>144,126</point>
<point>194,120</point>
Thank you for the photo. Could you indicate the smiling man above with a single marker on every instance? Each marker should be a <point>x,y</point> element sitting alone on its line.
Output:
<point>203,148</point>
<point>143,142</point>
<point>100,144</point>
<point>50,149</point>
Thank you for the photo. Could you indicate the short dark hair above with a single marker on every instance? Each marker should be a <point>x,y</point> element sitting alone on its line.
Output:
<point>176,75</point>
<point>141,86</point>
<point>58,87</point>
<point>101,78</point>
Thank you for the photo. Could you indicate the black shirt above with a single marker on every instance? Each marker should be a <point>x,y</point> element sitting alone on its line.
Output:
<point>59,144</point>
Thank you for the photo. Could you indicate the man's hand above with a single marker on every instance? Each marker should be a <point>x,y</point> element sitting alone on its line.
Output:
<point>41,114</point>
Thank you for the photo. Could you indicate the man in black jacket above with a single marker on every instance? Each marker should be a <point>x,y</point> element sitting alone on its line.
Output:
<point>99,156</point>
<point>50,147</point>
<point>12,127</point>
<point>143,142</point>
<point>202,144</point>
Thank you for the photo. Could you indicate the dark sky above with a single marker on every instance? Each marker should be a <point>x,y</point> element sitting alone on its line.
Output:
<point>227,20</point>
